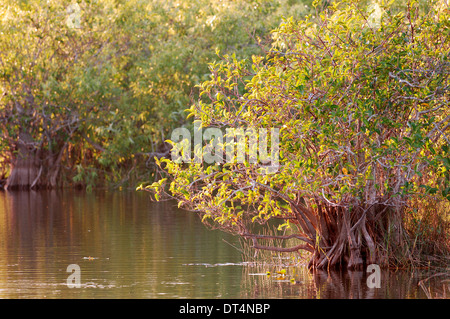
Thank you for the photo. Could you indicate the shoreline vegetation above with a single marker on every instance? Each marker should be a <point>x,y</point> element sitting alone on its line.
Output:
<point>361,101</point>
<point>91,91</point>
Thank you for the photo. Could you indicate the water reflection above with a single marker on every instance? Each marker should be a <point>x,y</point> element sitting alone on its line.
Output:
<point>129,247</point>
<point>123,243</point>
<point>301,283</point>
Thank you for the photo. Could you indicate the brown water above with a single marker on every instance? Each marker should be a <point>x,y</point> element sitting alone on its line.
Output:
<point>129,247</point>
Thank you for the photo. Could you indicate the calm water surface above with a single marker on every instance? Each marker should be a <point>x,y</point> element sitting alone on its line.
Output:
<point>129,247</point>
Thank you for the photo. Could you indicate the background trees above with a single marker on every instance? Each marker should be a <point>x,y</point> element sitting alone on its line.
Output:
<point>360,96</point>
<point>90,89</point>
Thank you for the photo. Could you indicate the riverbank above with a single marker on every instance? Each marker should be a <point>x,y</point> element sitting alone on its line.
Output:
<point>128,246</point>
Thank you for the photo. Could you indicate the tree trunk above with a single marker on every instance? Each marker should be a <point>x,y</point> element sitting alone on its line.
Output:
<point>355,237</point>
<point>33,168</point>
<point>25,166</point>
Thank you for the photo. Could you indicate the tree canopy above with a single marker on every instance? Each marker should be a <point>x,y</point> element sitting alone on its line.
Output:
<point>360,97</point>
<point>90,89</point>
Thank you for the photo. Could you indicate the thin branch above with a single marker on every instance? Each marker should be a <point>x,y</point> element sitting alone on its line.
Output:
<point>282,237</point>
<point>282,249</point>
<point>95,145</point>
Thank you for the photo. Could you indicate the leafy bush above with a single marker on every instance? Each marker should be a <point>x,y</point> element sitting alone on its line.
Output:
<point>101,83</point>
<point>360,96</point>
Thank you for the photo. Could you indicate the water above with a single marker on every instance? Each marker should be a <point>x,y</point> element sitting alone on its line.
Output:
<point>130,247</point>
